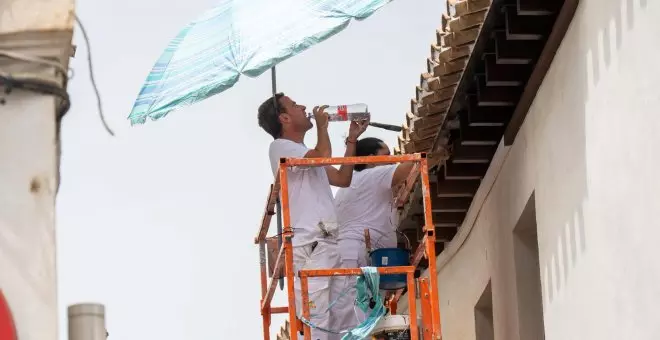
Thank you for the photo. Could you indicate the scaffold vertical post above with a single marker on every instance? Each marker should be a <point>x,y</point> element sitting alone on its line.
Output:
<point>429,231</point>
<point>265,314</point>
<point>412,306</point>
<point>425,299</point>
<point>304,286</point>
<point>288,250</point>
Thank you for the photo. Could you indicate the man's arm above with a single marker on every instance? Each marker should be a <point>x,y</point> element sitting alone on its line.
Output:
<point>323,147</point>
<point>401,173</point>
<point>403,169</point>
<point>342,177</point>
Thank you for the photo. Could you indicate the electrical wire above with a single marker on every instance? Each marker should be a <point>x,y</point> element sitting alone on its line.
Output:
<point>43,85</point>
<point>38,85</point>
<point>91,76</point>
<point>35,83</point>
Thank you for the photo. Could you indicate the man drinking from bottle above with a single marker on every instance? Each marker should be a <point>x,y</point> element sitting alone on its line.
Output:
<point>311,202</point>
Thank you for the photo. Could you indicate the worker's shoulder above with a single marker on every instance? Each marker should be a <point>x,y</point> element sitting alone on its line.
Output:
<point>379,170</point>
<point>286,148</point>
<point>376,178</point>
<point>286,143</point>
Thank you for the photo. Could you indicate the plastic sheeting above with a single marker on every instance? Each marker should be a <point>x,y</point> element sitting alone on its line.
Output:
<point>367,291</point>
<point>239,37</point>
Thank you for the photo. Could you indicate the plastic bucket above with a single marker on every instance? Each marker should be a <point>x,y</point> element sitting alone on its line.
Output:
<point>391,257</point>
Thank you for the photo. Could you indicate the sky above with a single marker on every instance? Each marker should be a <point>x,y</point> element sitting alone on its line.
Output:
<point>157,222</point>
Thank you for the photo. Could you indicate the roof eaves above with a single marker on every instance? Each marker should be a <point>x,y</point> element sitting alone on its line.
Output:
<point>448,58</point>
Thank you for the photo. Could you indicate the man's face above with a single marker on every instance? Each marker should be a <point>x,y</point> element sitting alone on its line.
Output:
<point>294,116</point>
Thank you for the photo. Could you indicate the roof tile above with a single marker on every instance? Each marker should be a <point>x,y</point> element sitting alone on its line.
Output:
<point>470,6</point>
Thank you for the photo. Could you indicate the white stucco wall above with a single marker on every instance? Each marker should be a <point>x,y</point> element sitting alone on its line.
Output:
<point>589,152</point>
<point>28,276</point>
<point>28,166</point>
<point>36,15</point>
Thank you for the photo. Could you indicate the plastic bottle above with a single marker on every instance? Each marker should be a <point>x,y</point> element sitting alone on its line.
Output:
<point>342,113</point>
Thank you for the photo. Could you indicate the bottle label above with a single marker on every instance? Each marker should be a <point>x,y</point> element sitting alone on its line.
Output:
<point>342,111</point>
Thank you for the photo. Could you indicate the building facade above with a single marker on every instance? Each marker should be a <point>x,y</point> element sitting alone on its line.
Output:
<point>546,212</point>
<point>551,221</point>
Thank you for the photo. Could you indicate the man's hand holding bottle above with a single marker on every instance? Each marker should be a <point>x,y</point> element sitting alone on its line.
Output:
<point>356,129</point>
<point>320,116</point>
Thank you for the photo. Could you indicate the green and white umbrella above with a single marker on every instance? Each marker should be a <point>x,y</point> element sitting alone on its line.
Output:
<point>239,37</point>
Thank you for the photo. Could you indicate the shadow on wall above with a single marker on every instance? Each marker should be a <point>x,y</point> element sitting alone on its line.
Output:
<point>586,53</point>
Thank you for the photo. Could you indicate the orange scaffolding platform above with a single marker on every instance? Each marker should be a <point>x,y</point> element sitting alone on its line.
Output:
<point>428,286</point>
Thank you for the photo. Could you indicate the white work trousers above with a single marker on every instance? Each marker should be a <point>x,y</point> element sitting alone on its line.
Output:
<point>322,290</point>
<point>347,314</point>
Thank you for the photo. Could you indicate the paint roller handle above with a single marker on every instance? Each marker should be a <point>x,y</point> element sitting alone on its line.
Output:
<point>390,127</point>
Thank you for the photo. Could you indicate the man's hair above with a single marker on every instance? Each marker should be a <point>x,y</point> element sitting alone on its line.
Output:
<point>367,147</point>
<point>269,115</point>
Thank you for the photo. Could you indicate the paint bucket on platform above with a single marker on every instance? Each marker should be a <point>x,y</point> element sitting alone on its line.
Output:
<point>391,257</point>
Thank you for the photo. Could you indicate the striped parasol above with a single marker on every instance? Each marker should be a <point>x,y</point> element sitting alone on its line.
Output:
<point>239,37</point>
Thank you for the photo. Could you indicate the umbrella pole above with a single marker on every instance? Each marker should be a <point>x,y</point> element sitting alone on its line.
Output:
<point>273,77</point>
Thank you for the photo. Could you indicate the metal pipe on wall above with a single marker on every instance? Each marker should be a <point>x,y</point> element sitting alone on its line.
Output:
<point>87,322</point>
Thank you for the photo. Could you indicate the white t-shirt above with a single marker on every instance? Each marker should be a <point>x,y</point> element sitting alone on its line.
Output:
<point>310,196</point>
<point>367,203</point>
